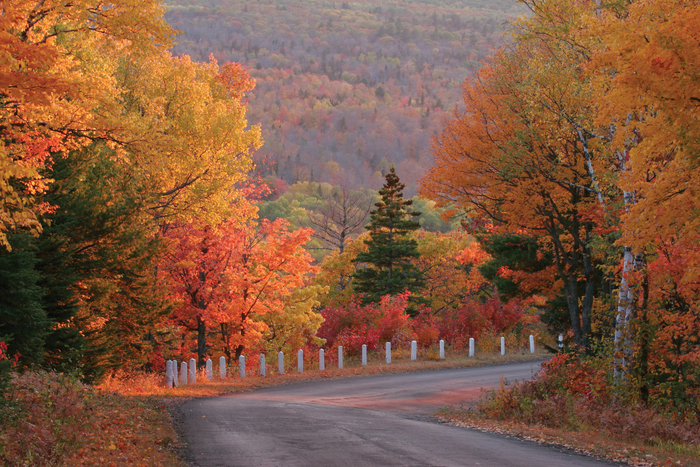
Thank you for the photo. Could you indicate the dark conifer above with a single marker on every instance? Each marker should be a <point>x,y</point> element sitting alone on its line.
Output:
<point>386,268</point>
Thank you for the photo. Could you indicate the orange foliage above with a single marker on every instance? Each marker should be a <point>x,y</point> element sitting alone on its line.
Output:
<point>46,99</point>
<point>226,278</point>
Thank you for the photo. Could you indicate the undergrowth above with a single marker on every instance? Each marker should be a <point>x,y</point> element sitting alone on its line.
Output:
<point>51,419</point>
<point>577,395</point>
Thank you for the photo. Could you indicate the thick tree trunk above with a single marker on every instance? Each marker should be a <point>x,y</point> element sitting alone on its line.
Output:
<point>201,342</point>
<point>587,304</point>
<point>225,337</point>
<point>239,351</point>
<point>241,347</point>
<point>572,303</point>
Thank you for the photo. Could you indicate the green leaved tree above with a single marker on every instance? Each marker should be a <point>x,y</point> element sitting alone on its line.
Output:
<point>386,268</point>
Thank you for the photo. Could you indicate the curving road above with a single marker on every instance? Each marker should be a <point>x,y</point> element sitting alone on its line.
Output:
<point>381,420</point>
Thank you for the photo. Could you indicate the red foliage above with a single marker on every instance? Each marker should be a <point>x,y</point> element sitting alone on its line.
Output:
<point>354,325</point>
<point>473,318</point>
<point>3,354</point>
<point>500,316</point>
<point>571,375</point>
<point>373,325</point>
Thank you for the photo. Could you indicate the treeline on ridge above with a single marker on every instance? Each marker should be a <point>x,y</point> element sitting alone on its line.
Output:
<point>344,89</point>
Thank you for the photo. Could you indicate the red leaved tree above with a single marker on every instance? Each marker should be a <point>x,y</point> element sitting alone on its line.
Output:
<point>226,278</point>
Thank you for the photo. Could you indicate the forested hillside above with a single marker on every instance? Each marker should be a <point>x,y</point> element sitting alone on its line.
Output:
<point>344,89</point>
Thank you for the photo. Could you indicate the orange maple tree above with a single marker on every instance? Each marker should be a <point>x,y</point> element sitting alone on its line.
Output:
<point>227,278</point>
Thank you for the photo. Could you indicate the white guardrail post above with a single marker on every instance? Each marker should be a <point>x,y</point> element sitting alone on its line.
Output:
<point>193,370</point>
<point>241,366</point>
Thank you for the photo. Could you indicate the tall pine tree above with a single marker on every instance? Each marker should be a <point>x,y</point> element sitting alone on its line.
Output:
<point>388,269</point>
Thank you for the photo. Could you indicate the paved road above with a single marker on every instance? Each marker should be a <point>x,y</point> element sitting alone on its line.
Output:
<point>381,420</point>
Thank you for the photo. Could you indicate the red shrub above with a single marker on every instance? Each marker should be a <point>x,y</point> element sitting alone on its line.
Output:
<point>354,325</point>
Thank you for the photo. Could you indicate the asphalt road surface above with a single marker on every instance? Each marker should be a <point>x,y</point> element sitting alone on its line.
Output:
<point>380,420</point>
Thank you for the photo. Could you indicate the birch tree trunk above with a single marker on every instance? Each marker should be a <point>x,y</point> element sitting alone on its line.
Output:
<point>626,297</point>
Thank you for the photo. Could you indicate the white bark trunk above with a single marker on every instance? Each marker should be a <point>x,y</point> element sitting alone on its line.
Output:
<point>626,297</point>
<point>625,311</point>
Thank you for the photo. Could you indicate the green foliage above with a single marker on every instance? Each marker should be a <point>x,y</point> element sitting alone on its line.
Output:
<point>24,324</point>
<point>517,253</point>
<point>389,269</point>
<point>80,297</point>
<point>523,254</point>
<point>98,239</point>
<point>295,203</point>
<point>430,218</point>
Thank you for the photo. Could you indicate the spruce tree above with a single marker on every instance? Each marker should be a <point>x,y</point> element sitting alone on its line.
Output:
<point>389,270</point>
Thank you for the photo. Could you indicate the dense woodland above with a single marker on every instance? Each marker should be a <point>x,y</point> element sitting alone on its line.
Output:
<point>146,214</point>
<point>344,89</point>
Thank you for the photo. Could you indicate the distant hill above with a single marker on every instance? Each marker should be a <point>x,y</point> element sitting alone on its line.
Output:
<point>345,88</point>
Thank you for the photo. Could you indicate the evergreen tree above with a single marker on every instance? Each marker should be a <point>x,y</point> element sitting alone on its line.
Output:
<point>389,270</point>
<point>23,321</point>
<point>96,261</point>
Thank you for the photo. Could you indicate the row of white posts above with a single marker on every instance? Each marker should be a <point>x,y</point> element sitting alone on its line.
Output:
<point>171,371</point>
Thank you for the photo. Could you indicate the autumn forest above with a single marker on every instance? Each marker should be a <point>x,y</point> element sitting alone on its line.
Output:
<point>199,178</point>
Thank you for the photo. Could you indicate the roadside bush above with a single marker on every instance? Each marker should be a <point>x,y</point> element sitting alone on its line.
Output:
<point>45,420</point>
<point>353,325</point>
<point>576,393</point>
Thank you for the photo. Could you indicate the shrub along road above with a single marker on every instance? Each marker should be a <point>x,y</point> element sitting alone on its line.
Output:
<point>381,420</point>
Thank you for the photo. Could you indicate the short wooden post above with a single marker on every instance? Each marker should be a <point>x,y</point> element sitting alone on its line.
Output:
<point>168,374</point>
<point>210,370</point>
<point>340,357</point>
<point>280,363</point>
<point>262,364</point>
<point>241,366</point>
<point>471,346</point>
<point>173,364</point>
<point>222,367</point>
<point>183,374</point>
<point>414,350</point>
<point>532,343</point>
<point>503,345</point>
<point>364,354</point>
<point>300,361</point>
<point>442,349</point>
<point>388,352</point>
<point>321,360</point>
<point>193,370</point>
